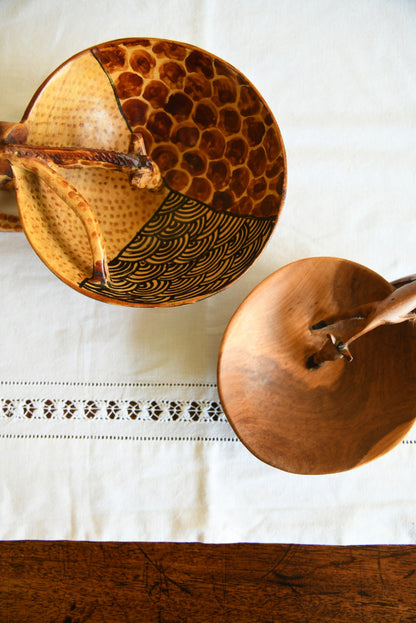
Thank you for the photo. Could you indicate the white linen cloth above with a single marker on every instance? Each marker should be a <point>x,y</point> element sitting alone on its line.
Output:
<point>110,422</point>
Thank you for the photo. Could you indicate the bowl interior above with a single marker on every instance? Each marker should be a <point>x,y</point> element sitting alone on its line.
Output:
<point>219,151</point>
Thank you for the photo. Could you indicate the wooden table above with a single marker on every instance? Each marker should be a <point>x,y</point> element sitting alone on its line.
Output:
<point>77,582</point>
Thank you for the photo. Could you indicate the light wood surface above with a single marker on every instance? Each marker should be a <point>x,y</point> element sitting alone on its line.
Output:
<point>340,413</point>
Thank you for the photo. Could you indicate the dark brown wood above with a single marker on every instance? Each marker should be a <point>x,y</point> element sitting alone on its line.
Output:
<point>69,582</point>
<point>340,414</point>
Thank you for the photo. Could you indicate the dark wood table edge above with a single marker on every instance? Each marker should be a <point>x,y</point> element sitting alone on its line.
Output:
<point>77,581</point>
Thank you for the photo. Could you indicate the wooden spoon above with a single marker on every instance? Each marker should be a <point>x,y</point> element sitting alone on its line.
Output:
<point>316,369</point>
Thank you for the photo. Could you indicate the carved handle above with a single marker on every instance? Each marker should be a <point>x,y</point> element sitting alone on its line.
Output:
<point>142,171</point>
<point>10,222</point>
<point>338,333</point>
<point>46,162</point>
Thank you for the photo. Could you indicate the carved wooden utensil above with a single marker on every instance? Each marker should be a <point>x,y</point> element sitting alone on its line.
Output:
<point>316,370</point>
<point>147,172</point>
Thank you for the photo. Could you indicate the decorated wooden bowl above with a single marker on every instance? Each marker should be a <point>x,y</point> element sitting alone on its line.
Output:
<point>147,172</point>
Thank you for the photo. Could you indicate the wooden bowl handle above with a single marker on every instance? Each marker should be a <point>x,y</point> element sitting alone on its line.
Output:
<point>398,283</point>
<point>45,162</point>
<point>338,333</point>
<point>8,222</point>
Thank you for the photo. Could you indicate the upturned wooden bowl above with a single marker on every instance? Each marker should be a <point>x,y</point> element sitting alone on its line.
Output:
<point>299,391</point>
<point>148,172</point>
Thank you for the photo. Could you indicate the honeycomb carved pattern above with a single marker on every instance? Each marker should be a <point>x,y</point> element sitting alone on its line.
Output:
<point>208,129</point>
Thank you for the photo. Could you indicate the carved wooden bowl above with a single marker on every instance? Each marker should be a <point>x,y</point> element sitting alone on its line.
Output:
<point>147,172</point>
<point>299,391</point>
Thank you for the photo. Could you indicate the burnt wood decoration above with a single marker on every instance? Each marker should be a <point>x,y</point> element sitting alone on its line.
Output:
<point>316,369</point>
<point>148,172</point>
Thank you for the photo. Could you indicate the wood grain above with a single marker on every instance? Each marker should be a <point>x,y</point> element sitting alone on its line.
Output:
<point>77,582</point>
<point>327,418</point>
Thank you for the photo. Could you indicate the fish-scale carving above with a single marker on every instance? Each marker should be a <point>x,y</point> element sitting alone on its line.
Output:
<point>186,250</point>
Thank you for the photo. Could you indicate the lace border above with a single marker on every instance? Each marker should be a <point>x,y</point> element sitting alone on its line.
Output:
<point>113,410</point>
<point>151,411</point>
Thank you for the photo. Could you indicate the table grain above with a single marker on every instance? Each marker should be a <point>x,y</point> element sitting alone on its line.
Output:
<point>77,582</point>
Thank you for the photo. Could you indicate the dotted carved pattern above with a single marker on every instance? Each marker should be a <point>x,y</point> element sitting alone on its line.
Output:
<point>186,250</point>
<point>123,410</point>
<point>207,128</point>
